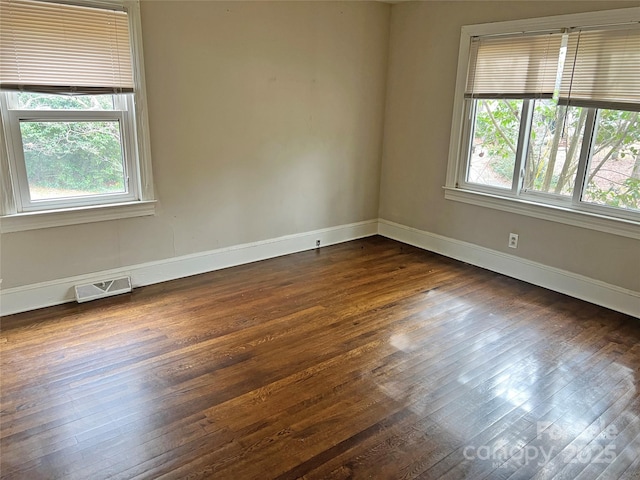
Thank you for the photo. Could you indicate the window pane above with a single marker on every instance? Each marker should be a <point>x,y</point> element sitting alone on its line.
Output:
<point>495,141</point>
<point>554,148</point>
<point>40,101</point>
<point>71,159</point>
<point>613,174</point>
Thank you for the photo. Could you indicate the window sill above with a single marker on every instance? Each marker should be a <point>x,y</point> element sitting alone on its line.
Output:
<point>625,228</point>
<point>74,216</point>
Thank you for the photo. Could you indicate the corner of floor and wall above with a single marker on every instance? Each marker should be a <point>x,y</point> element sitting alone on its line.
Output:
<point>44,294</point>
<point>323,121</point>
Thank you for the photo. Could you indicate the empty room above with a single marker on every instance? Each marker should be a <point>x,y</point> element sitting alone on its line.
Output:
<point>319,240</point>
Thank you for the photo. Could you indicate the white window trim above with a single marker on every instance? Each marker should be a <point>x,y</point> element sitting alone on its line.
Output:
<point>457,143</point>
<point>13,221</point>
<point>74,216</point>
<point>123,117</point>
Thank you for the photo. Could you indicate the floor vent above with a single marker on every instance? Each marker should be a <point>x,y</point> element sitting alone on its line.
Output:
<point>93,291</point>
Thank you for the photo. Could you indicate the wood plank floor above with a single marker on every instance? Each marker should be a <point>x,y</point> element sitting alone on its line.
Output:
<point>369,359</point>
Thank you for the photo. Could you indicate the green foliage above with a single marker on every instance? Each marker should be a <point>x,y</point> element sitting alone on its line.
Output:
<point>503,166</point>
<point>619,127</point>
<point>498,124</point>
<point>626,195</point>
<point>39,101</point>
<point>554,147</point>
<point>81,156</point>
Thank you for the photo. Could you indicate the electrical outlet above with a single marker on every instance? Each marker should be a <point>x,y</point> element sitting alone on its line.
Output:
<point>317,243</point>
<point>513,240</point>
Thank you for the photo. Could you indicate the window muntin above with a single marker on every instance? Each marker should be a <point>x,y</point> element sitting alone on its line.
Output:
<point>89,106</point>
<point>70,151</point>
<point>549,154</point>
<point>556,154</point>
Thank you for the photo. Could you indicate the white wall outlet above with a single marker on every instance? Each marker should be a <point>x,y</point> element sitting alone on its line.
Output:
<point>513,240</point>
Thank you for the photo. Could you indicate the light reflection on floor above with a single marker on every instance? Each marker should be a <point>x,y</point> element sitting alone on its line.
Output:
<point>540,394</point>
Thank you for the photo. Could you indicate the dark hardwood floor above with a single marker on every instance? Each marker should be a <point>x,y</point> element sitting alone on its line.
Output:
<point>369,359</point>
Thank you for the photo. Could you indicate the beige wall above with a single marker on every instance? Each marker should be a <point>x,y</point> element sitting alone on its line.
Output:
<point>266,120</point>
<point>422,69</point>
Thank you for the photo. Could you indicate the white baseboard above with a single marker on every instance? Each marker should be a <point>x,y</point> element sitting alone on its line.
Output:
<point>55,292</point>
<point>572,284</point>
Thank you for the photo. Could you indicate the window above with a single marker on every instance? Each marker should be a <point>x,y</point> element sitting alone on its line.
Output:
<point>72,106</point>
<point>548,119</point>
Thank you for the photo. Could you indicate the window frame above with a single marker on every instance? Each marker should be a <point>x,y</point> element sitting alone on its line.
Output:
<point>18,213</point>
<point>534,204</point>
<point>121,114</point>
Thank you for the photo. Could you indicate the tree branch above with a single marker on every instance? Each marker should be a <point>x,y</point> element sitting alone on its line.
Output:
<point>614,148</point>
<point>498,129</point>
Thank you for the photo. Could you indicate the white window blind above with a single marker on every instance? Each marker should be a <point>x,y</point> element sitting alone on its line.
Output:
<point>602,69</point>
<point>62,48</point>
<point>523,66</point>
